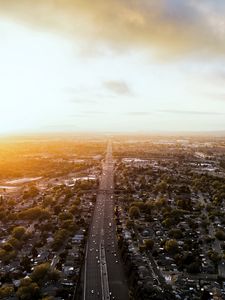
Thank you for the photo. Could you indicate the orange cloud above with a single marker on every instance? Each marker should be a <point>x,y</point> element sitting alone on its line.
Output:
<point>169,28</point>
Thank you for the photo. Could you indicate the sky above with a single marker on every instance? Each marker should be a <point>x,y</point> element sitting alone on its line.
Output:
<point>112,66</point>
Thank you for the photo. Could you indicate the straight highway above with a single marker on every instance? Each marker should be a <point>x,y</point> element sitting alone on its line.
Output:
<point>103,271</point>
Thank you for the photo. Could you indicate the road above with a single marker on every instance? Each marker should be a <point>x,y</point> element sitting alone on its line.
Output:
<point>103,271</point>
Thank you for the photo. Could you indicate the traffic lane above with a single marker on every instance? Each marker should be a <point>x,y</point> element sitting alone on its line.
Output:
<point>116,275</point>
<point>117,279</point>
<point>92,259</point>
<point>93,280</point>
<point>93,275</point>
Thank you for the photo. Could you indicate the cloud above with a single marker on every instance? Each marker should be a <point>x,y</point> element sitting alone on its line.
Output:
<point>82,101</point>
<point>118,87</point>
<point>221,97</point>
<point>139,113</point>
<point>218,96</point>
<point>191,112</point>
<point>94,112</point>
<point>170,28</point>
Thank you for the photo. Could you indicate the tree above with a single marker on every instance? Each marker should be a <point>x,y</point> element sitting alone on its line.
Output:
<point>139,204</point>
<point>40,272</point>
<point>171,246</point>
<point>74,209</point>
<point>184,204</point>
<point>175,233</point>
<point>54,275</point>
<point>15,243</point>
<point>142,248</point>
<point>129,224</point>
<point>161,202</point>
<point>59,238</point>
<point>134,212</point>
<point>65,216</point>
<point>214,256</point>
<point>11,202</point>
<point>28,290</point>
<point>18,232</point>
<point>6,256</point>
<point>149,244</point>
<point>68,225</point>
<point>168,222</point>
<point>34,213</point>
<point>6,291</point>
<point>57,209</point>
<point>161,186</point>
<point>43,273</point>
<point>32,192</point>
<point>7,247</point>
<point>220,235</point>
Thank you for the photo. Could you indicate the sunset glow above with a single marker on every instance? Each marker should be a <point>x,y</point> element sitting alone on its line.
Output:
<point>112,149</point>
<point>66,67</point>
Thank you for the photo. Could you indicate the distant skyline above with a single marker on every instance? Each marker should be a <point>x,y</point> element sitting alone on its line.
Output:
<point>112,66</point>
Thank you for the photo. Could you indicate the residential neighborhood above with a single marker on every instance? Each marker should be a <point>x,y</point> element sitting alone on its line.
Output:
<point>168,218</point>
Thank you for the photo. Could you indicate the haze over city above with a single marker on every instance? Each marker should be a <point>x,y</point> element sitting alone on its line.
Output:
<point>116,66</point>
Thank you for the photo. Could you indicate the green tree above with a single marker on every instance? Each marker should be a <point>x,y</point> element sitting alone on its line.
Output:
<point>7,247</point>
<point>220,235</point>
<point>65,216</point>
<point>15,243</point>
<point>28,290</point>
<point>149,244</point>
<point>168,222</point>
<point>175,233</point>
<point>6,256</point>
<point>18,232</point>
<point>40,272</point>
<point>6,291</point>
<point>59,238</point>
<point>74,209</point>
<point>44,273</point>
<point>69,225</point>
<point>134,212</point>
<point>171,246</point>
<point>34,213</point>
<point>214,256</point>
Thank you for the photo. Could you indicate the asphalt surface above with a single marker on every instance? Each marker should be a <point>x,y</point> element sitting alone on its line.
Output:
<point>103,271</point>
